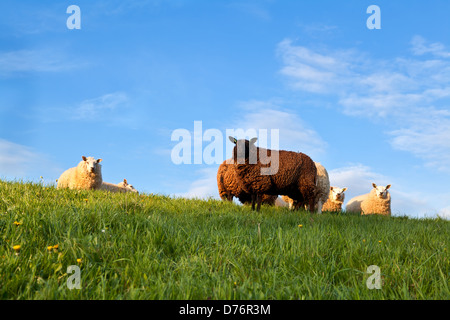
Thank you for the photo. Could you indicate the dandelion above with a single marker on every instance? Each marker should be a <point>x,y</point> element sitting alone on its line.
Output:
<point>379,241</point>
<point>300,226</point>
<point>17,249</point>
<point>364,240</point>
<point>54,248</point>
<point>17,223</point>
<point>79,260</point>
<point>86,200</point>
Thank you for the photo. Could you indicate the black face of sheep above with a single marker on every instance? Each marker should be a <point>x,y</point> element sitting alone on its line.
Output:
<point>244,151</point>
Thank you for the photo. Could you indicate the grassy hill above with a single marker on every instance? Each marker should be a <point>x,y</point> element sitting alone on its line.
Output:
<point>131,246</point>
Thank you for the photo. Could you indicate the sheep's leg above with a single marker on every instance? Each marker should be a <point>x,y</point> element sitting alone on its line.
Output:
<point>311,205</point>
<point>319,206</point>
<point>253,201</point>
<point>230,197</point>
<point>259,200</point>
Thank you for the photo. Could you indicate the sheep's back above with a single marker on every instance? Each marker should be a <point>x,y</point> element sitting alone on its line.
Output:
<point>296,175</point>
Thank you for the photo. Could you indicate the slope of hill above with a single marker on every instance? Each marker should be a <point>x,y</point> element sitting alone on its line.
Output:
<point>130,246</point>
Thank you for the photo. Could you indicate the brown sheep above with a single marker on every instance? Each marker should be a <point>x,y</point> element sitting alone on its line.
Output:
<point>264,171</point>
<point>229,187</point>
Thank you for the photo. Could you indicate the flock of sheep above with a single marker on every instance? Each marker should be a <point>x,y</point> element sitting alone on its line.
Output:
<point>299,181</point>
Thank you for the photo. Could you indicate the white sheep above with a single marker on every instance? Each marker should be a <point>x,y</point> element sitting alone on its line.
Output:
<point>86,175</point>
<point>322,190</point>
<point>120,187</point>
<point>335,200</point>
<point>377,201</point>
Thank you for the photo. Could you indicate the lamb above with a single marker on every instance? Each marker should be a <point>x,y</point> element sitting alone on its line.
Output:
<point>86,175</point>
<point>229,187</point>
<point>323,189</point>
<point>377,201</point>
<point>120,187</point>
<point>335,200</point>
<point>288,173</point>
<point>125,184</point>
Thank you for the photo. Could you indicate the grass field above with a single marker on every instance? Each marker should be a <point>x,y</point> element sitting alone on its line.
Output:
<point>131,246</point>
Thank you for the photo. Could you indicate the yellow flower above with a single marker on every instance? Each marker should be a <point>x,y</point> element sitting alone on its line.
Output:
<point>17,223</point>
<point>55,247</point>
<point>16,248</point>
<point>86,200</point>
<point>300,226</point>
<point>79,260</point>
<point>364,240</point>
<point>379,241</point>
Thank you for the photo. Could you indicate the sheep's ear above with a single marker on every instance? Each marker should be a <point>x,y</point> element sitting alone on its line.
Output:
<point>331,188</point>
<point>232,139</point>
<point>374,185</point>
<point>99,160</point>
<point>388,186</point>
<point>125,181</point>
<point>345,189</point>
<point>84,158</point>
<point>253,140</point>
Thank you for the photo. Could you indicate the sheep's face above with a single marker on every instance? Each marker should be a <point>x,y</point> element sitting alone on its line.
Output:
<point>381,192</point>
<point>125,184</point>
<point>244,151</point>
<point>92,165</point>
<point>337,194</point>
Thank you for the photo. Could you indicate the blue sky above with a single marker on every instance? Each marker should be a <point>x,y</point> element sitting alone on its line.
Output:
<point>370,105</point>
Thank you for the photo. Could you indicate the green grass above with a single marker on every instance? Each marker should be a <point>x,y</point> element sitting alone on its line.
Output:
<point>156,247</point>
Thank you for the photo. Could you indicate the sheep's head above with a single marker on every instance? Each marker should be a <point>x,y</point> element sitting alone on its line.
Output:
<point>244,151</point>
<point>125,184</point>
<point>381,192</point>
<point>337,194</point>
<point>91,165</point>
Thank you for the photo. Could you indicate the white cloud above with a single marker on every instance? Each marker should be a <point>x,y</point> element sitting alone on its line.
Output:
<point>93,109</point>
<point>420,46</point>
<point>20,61</point>
<point>409,95</point>
<point>294,133</point>
<point>22,162</point>
<point>357,178</point>
<point>445,213</point>
<point>205,186</point>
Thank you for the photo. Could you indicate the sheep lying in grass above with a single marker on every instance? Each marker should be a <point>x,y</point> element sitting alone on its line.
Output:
<point>335,200</point>
<point>120,187</point>
<point>125,184</point>
<point>377,201</point>
<point>229,187</point>
<point>323,189</point>
<point>86,175</point>
<point>264,171</point>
